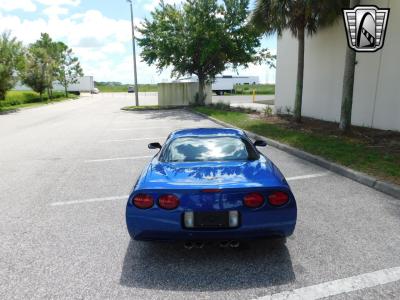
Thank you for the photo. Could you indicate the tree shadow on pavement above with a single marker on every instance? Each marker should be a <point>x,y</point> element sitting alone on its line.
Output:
<point>168,266</point>
<point>171,114</point>
<point>7,112</point>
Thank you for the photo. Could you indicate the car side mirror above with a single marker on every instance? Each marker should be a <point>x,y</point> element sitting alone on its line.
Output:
<point>260,143</point>
<point>154,146</point>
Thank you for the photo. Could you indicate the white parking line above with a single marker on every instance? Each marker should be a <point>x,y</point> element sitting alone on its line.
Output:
<point>340,286</point>
<point>128,140</point>
<point>139,128</point>
<point>307,176</point>
<point>88,200</point>
<point>130,122</point>
<point>117,158</point>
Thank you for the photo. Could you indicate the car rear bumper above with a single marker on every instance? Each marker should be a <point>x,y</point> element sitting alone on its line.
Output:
<point>168,226</point>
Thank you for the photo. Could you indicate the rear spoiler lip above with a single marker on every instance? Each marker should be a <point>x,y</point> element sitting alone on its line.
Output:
<point>209,190</point>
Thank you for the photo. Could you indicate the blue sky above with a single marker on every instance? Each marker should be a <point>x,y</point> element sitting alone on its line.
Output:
<point>99,33</point>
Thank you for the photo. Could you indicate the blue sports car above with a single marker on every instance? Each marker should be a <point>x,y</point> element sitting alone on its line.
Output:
<point>210,184</point>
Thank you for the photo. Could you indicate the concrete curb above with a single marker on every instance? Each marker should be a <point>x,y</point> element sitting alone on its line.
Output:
<point>382,186</point>
<point>156,108</point>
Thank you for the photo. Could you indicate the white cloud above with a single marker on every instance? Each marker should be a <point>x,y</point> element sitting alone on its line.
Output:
<point>263,71</point>
<point>123,71</point>
<point>94,25</point>
<point>91,25</point>
<point>90,42</point>
<point>27,31</point>
<point>154,3</point>
<point>54,8</point>
<point>88,56</point>
<point>59,2</point>
<point>25,5</point>
<point>53,11</point>
<point>114,48</point>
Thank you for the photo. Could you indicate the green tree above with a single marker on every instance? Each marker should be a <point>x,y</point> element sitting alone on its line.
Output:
<point>69,70</point>
<point>300,17</point>
<point>53,56</point>
<point>201,37</point>
<point>348,84</point>
<point>11,62</point>
<point>36,74</point>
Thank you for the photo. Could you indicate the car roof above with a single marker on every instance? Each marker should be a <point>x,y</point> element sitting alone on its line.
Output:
<point>207,132</point>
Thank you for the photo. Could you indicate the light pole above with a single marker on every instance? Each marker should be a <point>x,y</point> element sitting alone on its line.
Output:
<point>134,56</point>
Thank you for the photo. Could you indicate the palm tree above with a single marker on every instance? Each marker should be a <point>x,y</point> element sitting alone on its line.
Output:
<point>348,84</point>
<point>301,17</point>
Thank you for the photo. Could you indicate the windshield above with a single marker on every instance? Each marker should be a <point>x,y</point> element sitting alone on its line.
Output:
<point>189,149</point>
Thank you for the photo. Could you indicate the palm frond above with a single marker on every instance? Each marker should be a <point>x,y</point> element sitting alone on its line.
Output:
<point>277,15</point>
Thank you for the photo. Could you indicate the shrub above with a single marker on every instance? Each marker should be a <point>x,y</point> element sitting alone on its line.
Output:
<point>222,105</point>
<point>15,98</point>
<point>267,111</point>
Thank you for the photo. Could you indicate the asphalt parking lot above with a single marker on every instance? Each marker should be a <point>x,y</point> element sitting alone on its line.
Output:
<point>67,168</point>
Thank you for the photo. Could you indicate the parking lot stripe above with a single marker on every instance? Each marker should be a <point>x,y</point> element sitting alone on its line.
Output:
<point>117,158</point>
<point>340,286</point>
<point>88,200</point>
<point>139,128</point>
<point>130,122</point>
<point>307,176</point>
<point>138,139</point>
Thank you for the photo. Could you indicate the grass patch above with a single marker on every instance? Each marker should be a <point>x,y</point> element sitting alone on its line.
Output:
<point>261,89</point>
<point>148,107</point>
<point>240,89</point>
<point>347,151</point>
<point>21,99</point>
<point>123,88</point>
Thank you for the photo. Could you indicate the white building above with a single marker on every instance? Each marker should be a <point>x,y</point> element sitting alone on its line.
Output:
<point>376,100</point>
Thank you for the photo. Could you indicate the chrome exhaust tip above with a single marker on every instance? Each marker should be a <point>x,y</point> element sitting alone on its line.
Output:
<point>224,244</point>
<point>199,245</point>
<point>188,245</point>
<point>234,244</point>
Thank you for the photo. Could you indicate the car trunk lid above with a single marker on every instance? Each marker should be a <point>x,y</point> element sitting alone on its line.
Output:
<point>212,175</point>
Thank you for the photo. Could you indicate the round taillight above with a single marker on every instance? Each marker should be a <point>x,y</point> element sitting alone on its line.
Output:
<point>278,198</point>
<point>168,201</point>
<point>253,200</point>
<point>143,201</point>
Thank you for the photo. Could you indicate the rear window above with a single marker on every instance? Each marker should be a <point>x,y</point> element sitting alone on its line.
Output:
<point>190,149</point>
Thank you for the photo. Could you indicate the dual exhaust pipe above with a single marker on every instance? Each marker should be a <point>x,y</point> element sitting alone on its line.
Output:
<point>232,244</point>
<point>191,245</point>
<point>223,244</point>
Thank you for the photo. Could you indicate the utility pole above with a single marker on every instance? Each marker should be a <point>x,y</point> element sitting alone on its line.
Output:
<point>134,56</point>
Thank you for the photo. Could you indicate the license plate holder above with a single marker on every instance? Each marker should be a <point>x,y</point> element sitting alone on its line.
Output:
<point>211,219</point>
